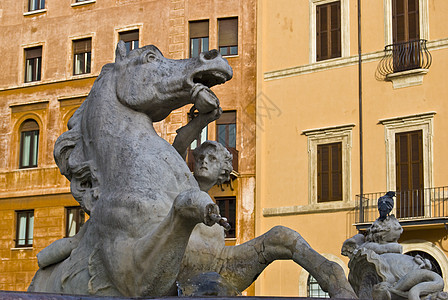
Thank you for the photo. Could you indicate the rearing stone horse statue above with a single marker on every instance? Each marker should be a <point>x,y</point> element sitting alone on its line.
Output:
<point>144,204</point>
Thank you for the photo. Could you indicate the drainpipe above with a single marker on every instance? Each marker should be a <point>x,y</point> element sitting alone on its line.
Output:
<point>361,166</point>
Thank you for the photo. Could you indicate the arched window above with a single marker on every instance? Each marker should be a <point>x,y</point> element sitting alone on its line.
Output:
<point>435,267</point>
<point>314,289</point>
<point>29,144</point>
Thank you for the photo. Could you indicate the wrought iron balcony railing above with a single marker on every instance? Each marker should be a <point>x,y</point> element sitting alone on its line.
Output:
<point>404,56</point>
<point>420,204</point>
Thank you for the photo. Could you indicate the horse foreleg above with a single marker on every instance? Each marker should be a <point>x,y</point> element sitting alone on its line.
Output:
<point>243,263</point>
<point>149,265</point>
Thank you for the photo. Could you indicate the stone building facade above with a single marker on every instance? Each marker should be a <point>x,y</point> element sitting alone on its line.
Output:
<point>52,53</point>
<point>309,154</point>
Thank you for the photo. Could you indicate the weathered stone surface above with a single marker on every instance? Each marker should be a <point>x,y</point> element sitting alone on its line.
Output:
<point>151,223</point>
<point>379,270</point>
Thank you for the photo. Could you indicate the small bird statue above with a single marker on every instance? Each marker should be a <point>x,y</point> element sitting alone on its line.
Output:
<point>385,205</point>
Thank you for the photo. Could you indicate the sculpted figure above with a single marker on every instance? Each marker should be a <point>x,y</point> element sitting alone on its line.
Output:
<point>379,270</point>
<point>151,223</point>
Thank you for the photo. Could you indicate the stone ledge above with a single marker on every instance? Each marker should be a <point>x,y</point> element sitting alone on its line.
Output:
<point>9,295</point>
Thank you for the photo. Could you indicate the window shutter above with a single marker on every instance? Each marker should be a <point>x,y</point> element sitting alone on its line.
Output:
<point>336,171</point>
<point>329,172</point>
<point>405,20</point>
<point>198,29</point>
<point>82,46</point>
<point>129,36</point>
<point>227,117</point>
<point>328,30</point>
<point>413,20</point>
<point>228,32</point>
<point>335,29</point>
<point>34,52</point>
<point>30,125</point>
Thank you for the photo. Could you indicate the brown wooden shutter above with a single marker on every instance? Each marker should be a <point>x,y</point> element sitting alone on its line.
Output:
<point>30,125</point>
<point>34,52</point>
<point>227,117</point>
<point>405,20</point>
<point>129,36</point>
<point>328,30</point>
<point>329,172</point>
<point>336,171</point>
<point>82,46</point>
<point>413,20</point>
<point>228,32</point>
<point>198,29</point>
<point>409,173</point>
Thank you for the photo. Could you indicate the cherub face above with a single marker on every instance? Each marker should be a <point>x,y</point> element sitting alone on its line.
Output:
<point>208,165</point>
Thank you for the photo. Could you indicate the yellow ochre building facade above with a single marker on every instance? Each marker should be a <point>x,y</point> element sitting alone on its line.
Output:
<point>52,53</point>
<point>311,167</point>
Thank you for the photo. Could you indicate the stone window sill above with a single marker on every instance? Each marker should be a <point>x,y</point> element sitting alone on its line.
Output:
<point>21,248</point>
<point>83,3</point>
<point>35,12</point>
<point>407,78</point>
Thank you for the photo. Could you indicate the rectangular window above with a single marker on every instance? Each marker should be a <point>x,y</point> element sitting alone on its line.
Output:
<point>329,172</point>
<point>328,30</point>
<point>33,64</point>
<point>82,55</point>
<point>228,36</point>
<point>29,144</point>
<point>227,208</point>
<point>198,37</point>
<point>74,220</point>
<point>24,228</point>
<point>130,39</point>
<point>36,4</point>
<point>405,20</point>
<point>226,129</point>
<point>409,174</point>
<point>405,33</point>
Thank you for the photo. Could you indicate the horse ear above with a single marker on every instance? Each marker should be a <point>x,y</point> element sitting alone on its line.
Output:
<point>120,52</point>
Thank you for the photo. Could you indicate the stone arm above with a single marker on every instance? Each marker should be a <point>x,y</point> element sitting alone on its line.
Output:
<point>188,133</point>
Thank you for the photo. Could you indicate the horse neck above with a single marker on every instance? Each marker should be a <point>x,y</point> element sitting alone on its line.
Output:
<point>108,125</point>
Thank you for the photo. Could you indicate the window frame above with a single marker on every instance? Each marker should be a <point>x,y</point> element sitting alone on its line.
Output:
<point>40,5</point>
<point>345,29</point>
<point>35,66</point>
<point>29,236</point>
<point>329,135</point>
<point>222,121</point>
<point>130,43</point>
<point>201,38</point>
<point>232,233</point>
<point>320,292</point>
<point>33,150</point>
<point>329,30</point>
<point>423,21</point>
<point>330,172</point>
<point>85,55</point>
<point>392,126</point>
<point>79,219</point>
<point>231,46</point>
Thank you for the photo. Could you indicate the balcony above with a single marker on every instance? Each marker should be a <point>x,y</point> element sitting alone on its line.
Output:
<point>404,63</point>
<point>413,207</point>
<point>233,151</point>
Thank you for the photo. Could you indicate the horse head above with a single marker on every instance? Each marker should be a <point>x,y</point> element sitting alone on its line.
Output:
<point>148,82</point>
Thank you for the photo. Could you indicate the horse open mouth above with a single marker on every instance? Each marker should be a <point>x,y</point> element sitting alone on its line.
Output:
<point>201,94</point>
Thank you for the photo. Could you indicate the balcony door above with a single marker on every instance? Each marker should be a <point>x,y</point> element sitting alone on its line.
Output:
<point>406,34</point>
<point>409,176</point>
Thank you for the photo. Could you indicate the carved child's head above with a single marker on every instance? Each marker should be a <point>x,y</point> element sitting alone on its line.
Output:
<point>213,162</point>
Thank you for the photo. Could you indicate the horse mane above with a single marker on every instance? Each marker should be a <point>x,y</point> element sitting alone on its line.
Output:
<point>69,149</point>
<point>70,156</point>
